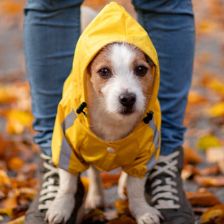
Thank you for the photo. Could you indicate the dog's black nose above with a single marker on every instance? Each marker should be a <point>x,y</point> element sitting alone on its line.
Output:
<point>127,99</point>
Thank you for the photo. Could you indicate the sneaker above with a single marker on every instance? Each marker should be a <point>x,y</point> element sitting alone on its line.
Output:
<point>49,184</point>
<point>164,190</point>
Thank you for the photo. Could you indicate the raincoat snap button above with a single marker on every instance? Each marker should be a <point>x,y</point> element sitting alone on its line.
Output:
<point>110,150</point>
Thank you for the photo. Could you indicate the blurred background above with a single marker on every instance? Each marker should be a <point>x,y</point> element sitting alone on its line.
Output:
<point>204,139</point>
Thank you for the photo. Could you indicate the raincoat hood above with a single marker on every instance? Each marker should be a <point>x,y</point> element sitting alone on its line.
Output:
<point>74,146</point>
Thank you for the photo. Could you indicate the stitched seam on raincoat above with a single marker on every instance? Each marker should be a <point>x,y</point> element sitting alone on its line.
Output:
<point>66,151</point>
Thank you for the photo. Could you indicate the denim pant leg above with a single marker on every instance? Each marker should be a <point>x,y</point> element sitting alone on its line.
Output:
<point>51,31</point>
<point>170,25</point>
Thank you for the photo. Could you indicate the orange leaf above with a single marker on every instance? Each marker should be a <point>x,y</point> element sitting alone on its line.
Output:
<point>189,171</point>
<point>195,98</point>
<point>210,170</point>
<point>210,181</point>
<point>109,180</point>
<point>190,156</point>
<point>214,215</point>
<point>202,198</point>
<point>15,164</point>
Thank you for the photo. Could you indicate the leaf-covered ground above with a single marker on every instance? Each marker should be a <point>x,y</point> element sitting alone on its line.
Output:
<point>204,141</point>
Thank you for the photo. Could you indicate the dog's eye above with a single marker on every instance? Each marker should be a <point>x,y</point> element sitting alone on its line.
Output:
<point>104,73</point>
<point>141,70</point>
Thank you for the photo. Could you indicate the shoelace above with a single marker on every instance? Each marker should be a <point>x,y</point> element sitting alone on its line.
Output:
<point>49,189</point>
<point>165,191</point>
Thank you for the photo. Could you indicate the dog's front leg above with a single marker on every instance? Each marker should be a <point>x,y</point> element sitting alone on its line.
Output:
<point>143,213</point>
<point>95,196</point>
<point>61,208</point>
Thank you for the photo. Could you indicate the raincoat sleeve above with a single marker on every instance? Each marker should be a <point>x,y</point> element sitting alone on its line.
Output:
<point>138,167</point>
<point>63,154</point>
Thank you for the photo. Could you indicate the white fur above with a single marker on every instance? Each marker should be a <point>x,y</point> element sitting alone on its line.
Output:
<point>63,204</point>
<point>122,184</point>
<point>95,196</point>
<point>143,213</point>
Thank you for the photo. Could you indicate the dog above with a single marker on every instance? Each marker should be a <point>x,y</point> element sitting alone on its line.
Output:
<point>119,82</point>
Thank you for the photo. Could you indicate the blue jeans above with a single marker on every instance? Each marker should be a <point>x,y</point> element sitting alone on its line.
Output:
<point>51,30</point>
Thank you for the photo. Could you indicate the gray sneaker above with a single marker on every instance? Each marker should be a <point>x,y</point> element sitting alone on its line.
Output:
<point>164,190</point>
<point>49,183</point>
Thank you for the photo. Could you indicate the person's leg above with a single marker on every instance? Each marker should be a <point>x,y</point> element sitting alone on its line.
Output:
<point>170,25</point>
<point>51,31</point>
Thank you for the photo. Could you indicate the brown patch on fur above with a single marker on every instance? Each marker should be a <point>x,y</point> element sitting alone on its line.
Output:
<point>100,61</point>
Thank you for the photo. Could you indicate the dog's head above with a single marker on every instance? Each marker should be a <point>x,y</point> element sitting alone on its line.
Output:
<point>121,77</point>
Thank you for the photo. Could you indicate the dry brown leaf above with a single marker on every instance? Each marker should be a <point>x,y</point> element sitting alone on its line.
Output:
<point>210,170</point>
<point>202,198</point>
<point>189,171</point>
<point>122,220</point>
<point>190,156</point>
<point>210,181</point>
<point>214,215</point>
<point>94,216</point>
<point>215,154</point>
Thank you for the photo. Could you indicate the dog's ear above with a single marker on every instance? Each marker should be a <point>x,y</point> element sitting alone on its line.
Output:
<point>148,59</point>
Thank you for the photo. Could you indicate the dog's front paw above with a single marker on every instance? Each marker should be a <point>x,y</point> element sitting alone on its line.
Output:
<point>143,213</point>
<point>61,209</point>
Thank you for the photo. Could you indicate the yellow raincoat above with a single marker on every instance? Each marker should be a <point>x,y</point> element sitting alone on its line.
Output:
<point>74,146</point>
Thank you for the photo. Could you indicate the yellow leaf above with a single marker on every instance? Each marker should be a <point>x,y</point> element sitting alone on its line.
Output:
<point>4,179</point>
<point>18,121</point>
<point>208,141</point>
<point>195,98</point>
<point>19,220</point>
<point>217,110</point>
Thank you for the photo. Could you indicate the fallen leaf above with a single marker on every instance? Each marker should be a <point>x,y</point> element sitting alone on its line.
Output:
<point>19,220</point>
<point>208,141</point>
<point>122,220</point>
<point>195,98</point>
<point>109,180</point>
<point>18,121</point>
<point>95,216</point>
<point>210,170</point>
<point>4,179</point>
<point>217,110</point>
<point>15,163</point>
<point>189,171</point>
<point>190,156</point>
<point>214,215</point>
<point>215,154</point>
<point>210,181</point>
<point>202,198</point>
<point>122,208</point>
